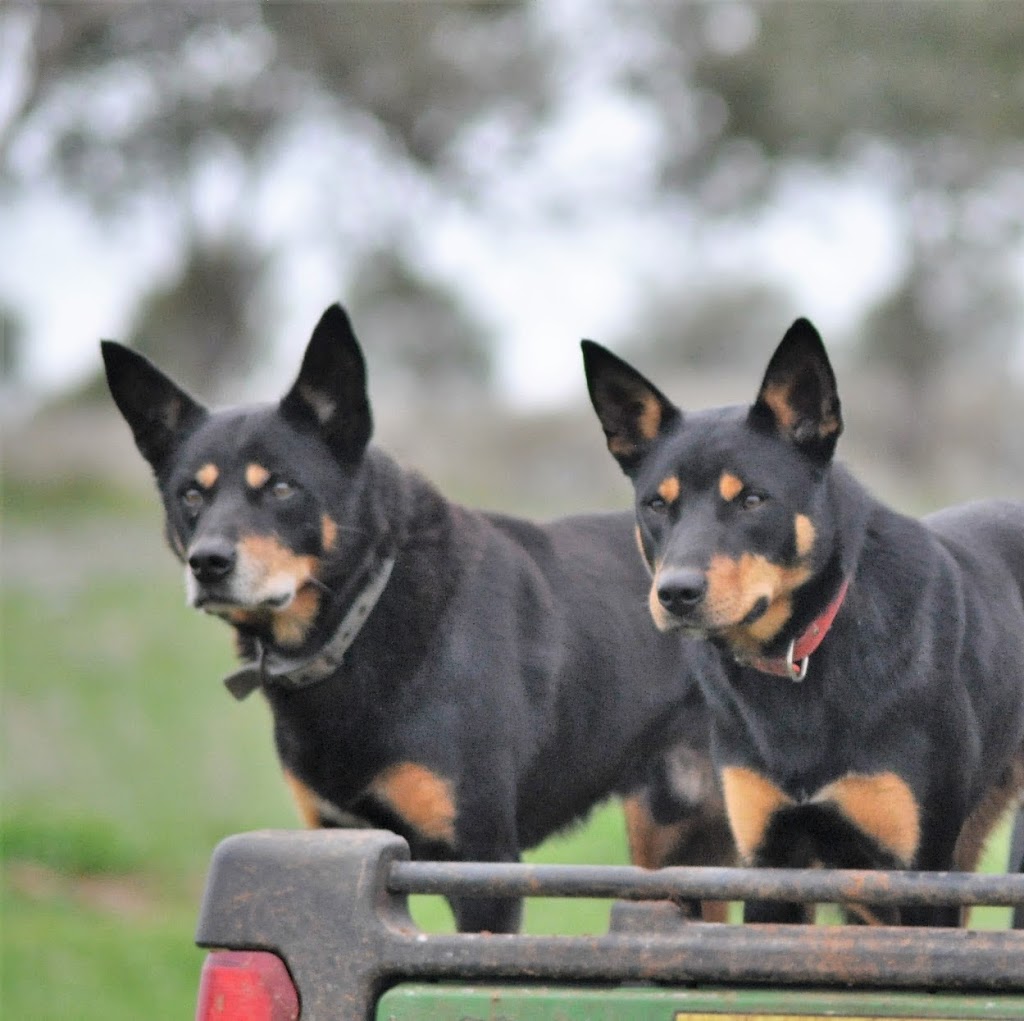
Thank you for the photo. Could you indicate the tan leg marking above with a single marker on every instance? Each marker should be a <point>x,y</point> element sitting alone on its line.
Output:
<point>997,801</point>
<point>422,798</point>
<point>750,802</point>
<point>305,800</point>
<point>883,806</point>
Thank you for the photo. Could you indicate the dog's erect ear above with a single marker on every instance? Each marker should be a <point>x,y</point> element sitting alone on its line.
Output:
<point>159,412</point>
<point>798,397</point>
<point>632,411</point>
<point>329,394</point>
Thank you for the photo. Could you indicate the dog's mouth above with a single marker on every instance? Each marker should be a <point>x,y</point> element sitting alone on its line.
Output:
<point>232,595</point>
<point>220,603</point>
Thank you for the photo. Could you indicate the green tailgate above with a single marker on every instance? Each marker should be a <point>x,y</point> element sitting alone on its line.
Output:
<point>452,1002</point>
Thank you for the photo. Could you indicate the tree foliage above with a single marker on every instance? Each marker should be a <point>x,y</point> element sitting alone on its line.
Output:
<point>121,104</point>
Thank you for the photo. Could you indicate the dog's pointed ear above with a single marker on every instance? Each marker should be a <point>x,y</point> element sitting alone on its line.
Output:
<point>632,411</point>
<point>798,397</point>
<point>159,412</point>
<point>329,394</point>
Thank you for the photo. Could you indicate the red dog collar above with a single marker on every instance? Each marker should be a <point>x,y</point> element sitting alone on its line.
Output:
<point>794,664</point>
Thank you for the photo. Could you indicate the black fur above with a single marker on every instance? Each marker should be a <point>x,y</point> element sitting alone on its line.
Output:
<point>913,705</point>
<point>506,681</point>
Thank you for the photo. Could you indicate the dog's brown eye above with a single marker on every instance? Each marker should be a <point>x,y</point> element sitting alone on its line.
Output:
<point>192,499</point>
<point>282,490</point>
<point>751,500</point>
<point>656,504</point>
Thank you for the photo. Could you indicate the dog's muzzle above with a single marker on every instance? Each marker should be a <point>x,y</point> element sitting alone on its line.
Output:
<point>681,590</point>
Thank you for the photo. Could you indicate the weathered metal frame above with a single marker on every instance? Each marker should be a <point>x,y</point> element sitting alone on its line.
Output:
<point>332,904</point>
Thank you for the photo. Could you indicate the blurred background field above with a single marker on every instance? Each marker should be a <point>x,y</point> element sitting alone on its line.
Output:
<point>483,185</point>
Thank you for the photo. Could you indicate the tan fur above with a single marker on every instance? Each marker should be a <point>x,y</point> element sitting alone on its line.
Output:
<point>776,396</point>
<point>997,801</point>
<point>649,419</point>
<point>207,476</point>
<point>750,802</point>
<point>729,486</point>
<point>422,798</point>
<point>735,586</point>
<point>291,625</point>
<point>256,476</point>
<point>883,806</point>
<point>663,620</point>
<point>805,532</point>
<point>305,800</point>
<point>669,489</point>
<point>328,532</point>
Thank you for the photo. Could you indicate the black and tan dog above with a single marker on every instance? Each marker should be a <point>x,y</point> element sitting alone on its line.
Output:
<point>871,713</point>
<point>471,681</point>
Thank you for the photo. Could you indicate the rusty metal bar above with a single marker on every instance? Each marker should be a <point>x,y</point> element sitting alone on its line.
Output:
<point>629,883</point>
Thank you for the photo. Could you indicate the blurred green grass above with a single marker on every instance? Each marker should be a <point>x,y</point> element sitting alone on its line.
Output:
<point>124,762</point>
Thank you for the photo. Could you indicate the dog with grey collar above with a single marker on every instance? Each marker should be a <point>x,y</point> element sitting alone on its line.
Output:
<point>472,681</point>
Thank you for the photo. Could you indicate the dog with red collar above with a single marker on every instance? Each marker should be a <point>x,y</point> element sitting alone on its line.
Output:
<point>871,709</point>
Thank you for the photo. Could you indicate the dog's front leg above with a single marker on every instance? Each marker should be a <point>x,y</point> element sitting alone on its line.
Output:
<point>485,833</point>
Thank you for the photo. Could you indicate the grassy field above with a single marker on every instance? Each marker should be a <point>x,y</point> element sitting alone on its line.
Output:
<point>124,762</point>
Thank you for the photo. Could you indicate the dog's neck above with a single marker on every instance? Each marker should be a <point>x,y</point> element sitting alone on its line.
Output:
<point>269,665</point>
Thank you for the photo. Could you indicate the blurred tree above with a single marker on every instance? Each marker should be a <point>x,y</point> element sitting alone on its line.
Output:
<point>723,326</point>
<point>926,100</point>
<point>122,105</point>
<point>11,344</point>
<point>415,333</point>
<point>203,321</point>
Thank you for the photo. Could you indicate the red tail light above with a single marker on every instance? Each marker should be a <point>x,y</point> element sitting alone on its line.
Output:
<point>246,985</point>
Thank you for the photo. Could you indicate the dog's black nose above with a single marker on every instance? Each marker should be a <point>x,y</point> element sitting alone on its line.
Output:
<point>212,559</point>
<point>682,588</point>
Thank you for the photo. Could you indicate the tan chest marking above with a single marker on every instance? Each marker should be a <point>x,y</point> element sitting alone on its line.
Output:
<point>750,802</point>
<point>420,797</point>
<point>882,806</point>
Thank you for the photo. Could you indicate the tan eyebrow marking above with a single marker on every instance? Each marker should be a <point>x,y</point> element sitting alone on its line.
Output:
<point>669,489</point>
<point>207,475</point>
<point>256,476</point>
<point>729,486</point>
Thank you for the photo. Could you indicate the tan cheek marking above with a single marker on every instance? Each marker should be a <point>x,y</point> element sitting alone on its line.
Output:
<point>669,489</point>
<point>750,802</point>
<point>805,534</point>
<point>328,532</point>
<point>291,625</point>
<point>881,805</point>
<point>207,476</point>
<point>273,558</point>
<point>305,800</point>
<point>256,476</point>
<point>776,397</point>
<point>422,798</point>
<point>735,585</point>
<point>729,486</point>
